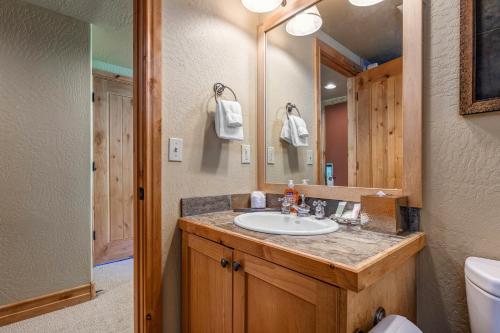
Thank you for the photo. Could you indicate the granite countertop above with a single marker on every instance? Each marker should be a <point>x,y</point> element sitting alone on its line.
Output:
<point>350,246</point>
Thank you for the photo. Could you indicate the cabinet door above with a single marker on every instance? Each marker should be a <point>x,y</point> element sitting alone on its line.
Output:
<point>269,298</point>
<point>207,286</point>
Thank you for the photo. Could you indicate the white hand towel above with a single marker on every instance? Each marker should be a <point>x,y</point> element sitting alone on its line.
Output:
<point>301,126</point>
<point>297,141</point>
<point>292,126</point>
<point>223,130</point>
<point>232,112</point>
<point>285,132</point>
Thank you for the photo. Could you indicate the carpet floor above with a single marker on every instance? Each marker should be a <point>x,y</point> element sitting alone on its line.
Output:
<point>110,312</point>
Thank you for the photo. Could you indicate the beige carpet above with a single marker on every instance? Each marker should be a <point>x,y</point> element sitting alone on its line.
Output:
<point>111,312</point>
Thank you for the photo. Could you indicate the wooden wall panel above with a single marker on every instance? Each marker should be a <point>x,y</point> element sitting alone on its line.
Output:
<point>115,167</point>
<point>128,167</point>
<point>363,134</point>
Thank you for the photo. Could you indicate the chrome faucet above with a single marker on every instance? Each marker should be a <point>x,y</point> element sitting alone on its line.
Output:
<point>285,205</point>
<point>303,210</point>
<point>319,211</point>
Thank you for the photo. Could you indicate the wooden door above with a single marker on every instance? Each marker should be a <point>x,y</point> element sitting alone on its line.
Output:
<point>379,128</point>
<point>113,142</point>
<point>269,298</point>
<point>206,286</point>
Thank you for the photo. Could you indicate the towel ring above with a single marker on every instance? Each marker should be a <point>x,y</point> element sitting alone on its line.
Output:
<point>290,107</point>
<point>219,91</point>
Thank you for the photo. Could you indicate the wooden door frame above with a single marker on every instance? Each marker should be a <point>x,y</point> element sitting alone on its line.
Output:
<point>148,168</point>
<point>330,57</point>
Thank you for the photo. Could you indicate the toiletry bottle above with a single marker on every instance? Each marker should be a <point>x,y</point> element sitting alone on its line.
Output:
<point>292,194</point>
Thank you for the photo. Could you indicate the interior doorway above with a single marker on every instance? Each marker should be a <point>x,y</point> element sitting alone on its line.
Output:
<point>113,167</point>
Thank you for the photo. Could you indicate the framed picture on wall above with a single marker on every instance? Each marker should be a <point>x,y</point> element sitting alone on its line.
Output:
<point>479,56</point>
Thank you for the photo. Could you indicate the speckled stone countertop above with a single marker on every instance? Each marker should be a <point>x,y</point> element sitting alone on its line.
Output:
<point>349,246</point>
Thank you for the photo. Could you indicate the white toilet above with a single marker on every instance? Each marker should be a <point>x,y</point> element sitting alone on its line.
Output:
<point>482,281</point>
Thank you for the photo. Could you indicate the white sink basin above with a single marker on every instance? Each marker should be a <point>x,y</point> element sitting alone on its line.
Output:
<point>279,224</point>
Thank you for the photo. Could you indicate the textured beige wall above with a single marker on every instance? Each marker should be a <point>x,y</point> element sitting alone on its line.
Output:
<point>45,152</point>
<point>204,42</point>
<point>289,78</point>
<point>461,179</point>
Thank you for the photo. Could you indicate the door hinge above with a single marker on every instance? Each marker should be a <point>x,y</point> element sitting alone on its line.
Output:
<point>93,97</point>
<point>141,193</point>
<point>93,235</point>
<point>357,96</point>
<point>93,166</point>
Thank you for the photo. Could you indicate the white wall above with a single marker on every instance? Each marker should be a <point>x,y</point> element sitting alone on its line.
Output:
<point>204,42</point>
<point>45,152</point>
<point>461,215</point>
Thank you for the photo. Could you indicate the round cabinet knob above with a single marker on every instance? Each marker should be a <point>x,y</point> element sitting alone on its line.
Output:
<point>236,266</point>
<point>224,262</point>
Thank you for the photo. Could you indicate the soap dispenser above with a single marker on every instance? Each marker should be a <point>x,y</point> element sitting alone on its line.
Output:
<point>291,193</point>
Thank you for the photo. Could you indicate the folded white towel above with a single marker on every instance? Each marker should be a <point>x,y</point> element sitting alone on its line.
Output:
<point>223,130</point>
<point>301,126</point>
<point>285,132</point>
<point>232,112</point>
<point>291,132</point>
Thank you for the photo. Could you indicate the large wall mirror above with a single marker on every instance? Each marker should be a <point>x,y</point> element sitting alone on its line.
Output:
<point>340,99</point>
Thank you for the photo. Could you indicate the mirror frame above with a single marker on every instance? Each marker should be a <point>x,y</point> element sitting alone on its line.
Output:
<point>412,106</point>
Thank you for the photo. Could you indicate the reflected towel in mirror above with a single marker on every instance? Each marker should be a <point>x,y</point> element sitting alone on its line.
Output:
<point>294,131</point>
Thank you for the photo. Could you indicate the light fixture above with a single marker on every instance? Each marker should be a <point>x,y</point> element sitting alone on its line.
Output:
<point>330,86</point>
<point>364,3</point>
<point>262,6</point>
<point>305,23</point>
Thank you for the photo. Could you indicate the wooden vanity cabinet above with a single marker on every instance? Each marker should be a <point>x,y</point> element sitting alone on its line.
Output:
<point>225,290</point>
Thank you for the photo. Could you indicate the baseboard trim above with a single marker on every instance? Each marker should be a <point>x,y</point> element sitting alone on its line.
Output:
<point>37,306</point>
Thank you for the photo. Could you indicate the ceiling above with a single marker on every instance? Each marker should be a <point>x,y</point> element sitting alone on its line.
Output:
<point>112,22</point>
<point>328,75</point>
<point>374,32</point>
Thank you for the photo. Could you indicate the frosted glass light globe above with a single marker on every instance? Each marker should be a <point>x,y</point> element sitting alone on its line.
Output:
<point>305,23</point>
<point>261,6</point>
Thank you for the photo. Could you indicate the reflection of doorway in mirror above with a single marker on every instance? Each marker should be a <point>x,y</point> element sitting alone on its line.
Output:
<point>336,141</point>
<point>360,115</point>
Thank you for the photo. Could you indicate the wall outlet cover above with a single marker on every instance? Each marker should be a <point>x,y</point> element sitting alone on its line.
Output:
<point>246,154</point>
<point>310,157</point>
<point>270,155</point>
<point>175,148</point>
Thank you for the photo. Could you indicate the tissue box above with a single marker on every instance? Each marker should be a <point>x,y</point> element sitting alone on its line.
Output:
<point>383,213</point>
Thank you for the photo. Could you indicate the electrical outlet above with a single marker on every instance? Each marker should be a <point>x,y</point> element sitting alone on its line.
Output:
<point>310,157</point>
<point>245,154</point>
<point>270,155</point>
<point>175,150</point>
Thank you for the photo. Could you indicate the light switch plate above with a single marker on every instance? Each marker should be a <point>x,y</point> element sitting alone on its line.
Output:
<point>270,155</point>
<point>245,154</point>
<point>310,157</point>
<point>175,150</point>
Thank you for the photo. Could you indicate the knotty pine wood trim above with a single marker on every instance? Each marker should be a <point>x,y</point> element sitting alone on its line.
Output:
<point>147,103</point>
<point>37,306</point>
<point>412,106</point>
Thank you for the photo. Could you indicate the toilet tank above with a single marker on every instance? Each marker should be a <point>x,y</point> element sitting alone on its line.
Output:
<point>482,280</point>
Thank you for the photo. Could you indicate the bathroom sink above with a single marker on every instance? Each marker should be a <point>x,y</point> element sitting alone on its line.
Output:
<point>279,224</point>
